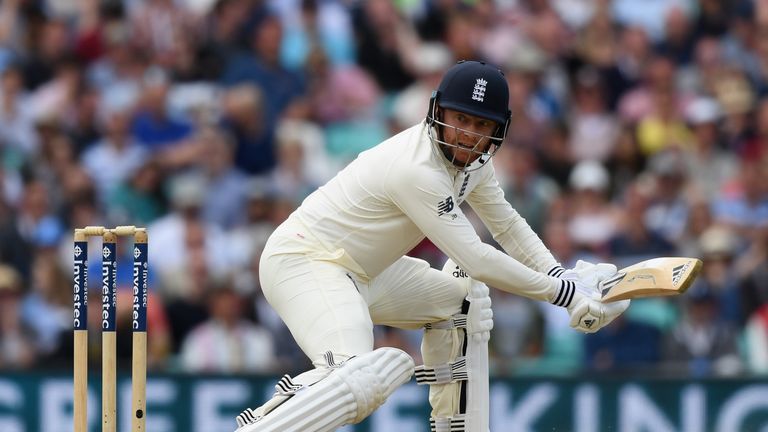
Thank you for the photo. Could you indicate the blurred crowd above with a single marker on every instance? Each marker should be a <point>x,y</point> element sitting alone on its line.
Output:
<point>639,129</point>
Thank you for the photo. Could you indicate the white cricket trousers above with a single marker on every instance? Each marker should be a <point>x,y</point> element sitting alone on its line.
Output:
<point>329,308</point>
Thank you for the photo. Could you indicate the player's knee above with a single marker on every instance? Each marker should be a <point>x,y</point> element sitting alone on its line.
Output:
<point>374,376</point>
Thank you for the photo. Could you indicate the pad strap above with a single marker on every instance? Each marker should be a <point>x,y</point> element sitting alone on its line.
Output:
<point>287,387</point>
<point>443,373</point>
<point>456,321</point>
<point>448,424</point>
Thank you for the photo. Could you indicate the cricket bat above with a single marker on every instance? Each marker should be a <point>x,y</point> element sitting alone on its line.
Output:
<point>664,276</point>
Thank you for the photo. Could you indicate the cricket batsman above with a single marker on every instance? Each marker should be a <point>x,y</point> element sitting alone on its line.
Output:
<point>337,266</point>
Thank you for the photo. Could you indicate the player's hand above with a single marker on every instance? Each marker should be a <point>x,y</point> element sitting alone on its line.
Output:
<point>480,315</point>
<point>589,273</point>
<point>588,314</point>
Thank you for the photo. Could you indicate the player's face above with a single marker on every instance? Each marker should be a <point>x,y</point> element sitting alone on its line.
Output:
<point>468,133</point>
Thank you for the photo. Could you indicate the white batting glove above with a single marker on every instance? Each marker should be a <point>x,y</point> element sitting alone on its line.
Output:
<point>590,274</point>
<point>480,315</point>
<point>588,314</point>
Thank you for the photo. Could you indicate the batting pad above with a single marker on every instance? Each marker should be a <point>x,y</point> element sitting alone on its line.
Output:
<point>346,396</point>
<point>478,405</point>
<point>456,353</point>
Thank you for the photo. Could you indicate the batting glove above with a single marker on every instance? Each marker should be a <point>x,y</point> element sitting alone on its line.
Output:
<point>480,315</point>
<point>588,314</point>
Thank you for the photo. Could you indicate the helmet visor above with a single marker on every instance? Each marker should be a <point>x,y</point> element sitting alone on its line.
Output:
<point>466,155</point>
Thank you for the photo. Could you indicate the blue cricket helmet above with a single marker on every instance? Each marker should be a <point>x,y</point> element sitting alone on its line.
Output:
<point>475,88</point>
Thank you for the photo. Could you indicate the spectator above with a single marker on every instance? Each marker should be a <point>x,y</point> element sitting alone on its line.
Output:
<point>752,268</point>
<point>593,220</point>
<point>16,122</point>
<point>529,192</point>
<point>185,296</point>
<point>20,233</point>
<point>158,25</point>
<point>699,220</point>
<point>626,162</point>
<point>756,341</point>
<point>679,36</point>
<point>261,66</point>
<point>737,98</point>
<point>226,342</point>
<point>743,205</point>
<point>152,124</point>
<point>663,128</point>
<point>382,39</point>
<point>339,93</point>
<point>554,154</point>
<point>247,239</point>
<point>756,145</point>
<point>708,67</point>
<point>668,210</point>
<point>594,130</point>
<point>300,148</point>
<point>517,337</point>
<point>47,308</point>
<point>182,233</point>
<point>243,116</point>
<point>631,56</point>
<point>708,163</point>
<point>409,105</point>
<point>700,345</point>
<point>224,201</point>
<point>635,241</point>
<point>16,339</point>
<point>140,199</point>
<point>119,149</point>
<point>657,77</point>
<point>121,64</point>
<point>719,248</point>
<point>649,16</point>
<point>48,49</point>
<point>624,346</point>
<point>312,23</point>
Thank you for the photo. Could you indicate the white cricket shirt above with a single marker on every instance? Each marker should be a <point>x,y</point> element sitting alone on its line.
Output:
<point>388,199</point>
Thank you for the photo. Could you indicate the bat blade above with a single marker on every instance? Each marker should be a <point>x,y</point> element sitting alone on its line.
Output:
<point>664,276</point>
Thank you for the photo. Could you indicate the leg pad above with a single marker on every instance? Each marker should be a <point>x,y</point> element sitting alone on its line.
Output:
<point>350,393</point>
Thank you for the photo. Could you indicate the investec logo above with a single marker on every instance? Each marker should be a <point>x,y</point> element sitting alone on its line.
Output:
<point>139,301</point>
<point>80,281</point>
<point>108,301</point>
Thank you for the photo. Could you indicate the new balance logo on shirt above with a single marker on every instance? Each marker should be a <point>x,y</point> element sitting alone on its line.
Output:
<point>445,206</point>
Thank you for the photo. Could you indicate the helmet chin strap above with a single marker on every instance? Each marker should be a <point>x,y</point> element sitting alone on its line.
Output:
<point>448,150</point>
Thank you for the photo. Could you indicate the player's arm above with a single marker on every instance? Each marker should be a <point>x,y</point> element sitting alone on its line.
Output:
<point>509,229</point>
<point>427,199</point>
<point>423,196</point>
